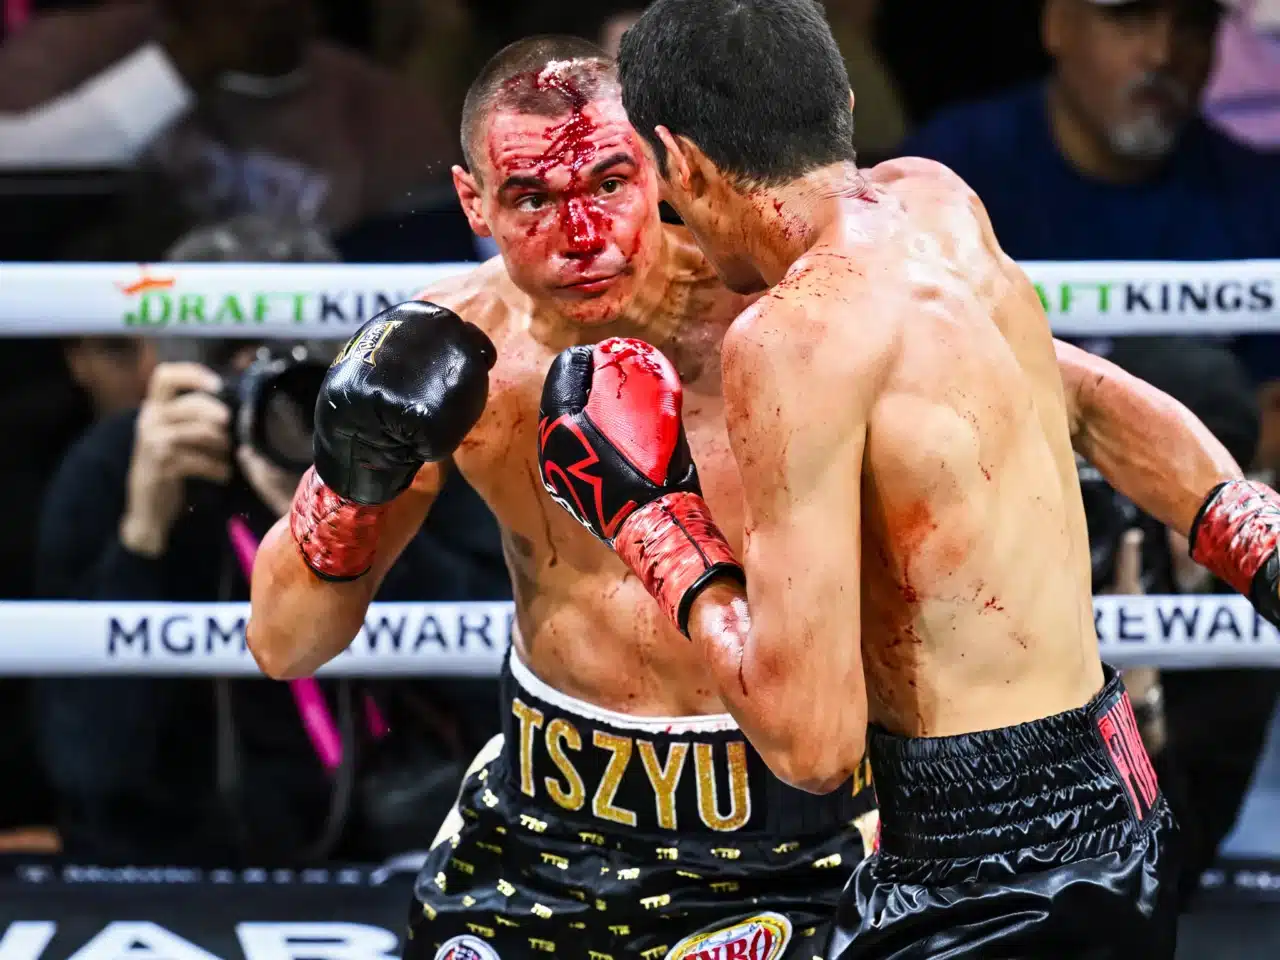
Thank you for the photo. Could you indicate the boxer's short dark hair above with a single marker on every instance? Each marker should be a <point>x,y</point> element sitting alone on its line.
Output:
<point>592,74</point>
<point>759,85</point>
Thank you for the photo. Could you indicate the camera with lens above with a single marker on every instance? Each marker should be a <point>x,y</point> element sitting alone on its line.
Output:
<point>273,403</point>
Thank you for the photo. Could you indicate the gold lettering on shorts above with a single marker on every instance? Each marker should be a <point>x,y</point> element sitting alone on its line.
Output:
<point>620,929</point>
<point>533,823</point>
<point>555,861</point>
<point>462,865</point>
<point>546,946</point>
<point>826,863</point>
<point>489,798</point>
<point>597,955</point>
<point>530,720</point>
<point>429,911</point>
<point>664,779</point>
<point>468,900</point>
<point>726,853</point>
<point>577,925</point>
<point>653,903</point>
<point>441,883</point>
<point>629,873</point>
<point>538,910</point>
<point>725,886</point>
<point>862,776</point>
<point>592,838</point>
<point>578,895</point>
<point>504,922</point>
<point>667,853</point>
<point>739,795</point>
<point>489,847</point>
<point>654,952</point>
<point>602,803</point>
<point>506,888</point>
<point>482,931</point>
<point>574,795</point>
<point>790,846</point>
<point>690,876</point>
<point>600,904</point>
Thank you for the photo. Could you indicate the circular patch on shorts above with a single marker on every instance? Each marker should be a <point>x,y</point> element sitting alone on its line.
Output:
<point>466,947</point>
<point>762,937</point>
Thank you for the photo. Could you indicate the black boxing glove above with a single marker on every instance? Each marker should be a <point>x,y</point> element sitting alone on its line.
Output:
<point>612,451</point>
<point>404,391</point>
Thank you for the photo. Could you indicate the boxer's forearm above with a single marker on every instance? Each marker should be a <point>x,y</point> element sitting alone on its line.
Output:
<point>298,622</point>
<point>720,625</point>
<point>1145,443</point>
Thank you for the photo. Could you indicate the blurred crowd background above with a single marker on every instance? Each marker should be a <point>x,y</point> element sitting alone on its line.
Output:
<point>324,131</point>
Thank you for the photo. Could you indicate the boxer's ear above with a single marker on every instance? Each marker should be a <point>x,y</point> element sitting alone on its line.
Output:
<point>684,171</point>
<point>851,99</point>
<point>468,190</point>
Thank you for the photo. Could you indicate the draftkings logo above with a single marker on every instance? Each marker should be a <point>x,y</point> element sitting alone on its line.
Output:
<point>1157,298</point>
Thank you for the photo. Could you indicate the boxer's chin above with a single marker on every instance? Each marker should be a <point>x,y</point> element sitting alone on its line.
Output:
<point>593,310</point>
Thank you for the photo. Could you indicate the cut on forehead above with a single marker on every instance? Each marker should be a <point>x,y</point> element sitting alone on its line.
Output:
<point>545,76</point>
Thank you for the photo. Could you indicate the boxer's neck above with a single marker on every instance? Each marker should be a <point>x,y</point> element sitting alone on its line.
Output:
<point>784,222</point>
<point>655,311</point>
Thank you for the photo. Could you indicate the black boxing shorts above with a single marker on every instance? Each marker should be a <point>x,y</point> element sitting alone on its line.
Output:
<point>1049,839</point>
<point>585,834</point>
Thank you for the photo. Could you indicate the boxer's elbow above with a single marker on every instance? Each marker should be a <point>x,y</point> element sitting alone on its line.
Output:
<point>274,656</point>
<point>815,767</point>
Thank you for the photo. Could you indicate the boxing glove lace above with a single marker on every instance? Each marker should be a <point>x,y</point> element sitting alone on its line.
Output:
<point>404,391</point>
<point>612,451</point>
<point>1235,536</point>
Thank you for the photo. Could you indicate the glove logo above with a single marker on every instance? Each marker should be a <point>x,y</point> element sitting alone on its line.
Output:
<point>559,481</point>
<point>364,346</point>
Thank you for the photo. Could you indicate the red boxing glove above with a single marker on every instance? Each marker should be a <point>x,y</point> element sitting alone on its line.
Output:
<point>612,451</point>
<point>1235,536</point>
<point>338,537</point>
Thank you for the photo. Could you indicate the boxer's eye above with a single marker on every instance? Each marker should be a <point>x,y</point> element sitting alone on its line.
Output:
<point>531,203</point>
<point>612,185</point>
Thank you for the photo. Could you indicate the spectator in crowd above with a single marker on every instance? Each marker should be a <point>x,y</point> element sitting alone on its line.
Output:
<point>1111,158</point>
<point>234,100</point>
<point>196,771</point>
<point>1243,98</point>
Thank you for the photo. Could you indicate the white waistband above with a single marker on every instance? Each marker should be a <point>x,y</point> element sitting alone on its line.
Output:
<point>707,723</point>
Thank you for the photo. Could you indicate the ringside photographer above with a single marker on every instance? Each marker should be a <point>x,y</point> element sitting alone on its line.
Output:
<point>166,503</point>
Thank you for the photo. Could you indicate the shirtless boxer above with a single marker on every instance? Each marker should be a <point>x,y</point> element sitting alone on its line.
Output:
<point>915,551</point>
<point>623,811</point>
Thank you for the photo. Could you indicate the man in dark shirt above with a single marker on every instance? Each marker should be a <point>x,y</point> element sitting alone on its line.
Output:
<point>1110,159</point>
<point>132,759</point>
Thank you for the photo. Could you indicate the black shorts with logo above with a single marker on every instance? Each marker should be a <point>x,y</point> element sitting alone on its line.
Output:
<point>1049,839</point>
<point>585,834</point>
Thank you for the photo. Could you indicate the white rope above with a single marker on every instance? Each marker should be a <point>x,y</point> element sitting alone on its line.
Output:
<point>469,639</point>
<point>331,300</point>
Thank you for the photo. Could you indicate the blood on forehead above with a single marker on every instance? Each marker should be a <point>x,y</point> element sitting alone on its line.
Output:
<point>562,88</point>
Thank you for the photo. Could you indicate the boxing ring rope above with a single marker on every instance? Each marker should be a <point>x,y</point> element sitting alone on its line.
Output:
<point>312,301</point>
<point>331,300</point>
<point>469,639</point>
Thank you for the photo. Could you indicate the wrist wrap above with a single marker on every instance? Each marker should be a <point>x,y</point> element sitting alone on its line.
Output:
<point>337,537</point>
<point>675,548</point>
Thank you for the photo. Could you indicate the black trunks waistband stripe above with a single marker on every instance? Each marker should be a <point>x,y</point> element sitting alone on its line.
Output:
<point>1083,771</point>
<point>687,775</point>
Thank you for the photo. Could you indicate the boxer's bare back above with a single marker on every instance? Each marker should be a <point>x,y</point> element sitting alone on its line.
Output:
<point>973,587</point>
